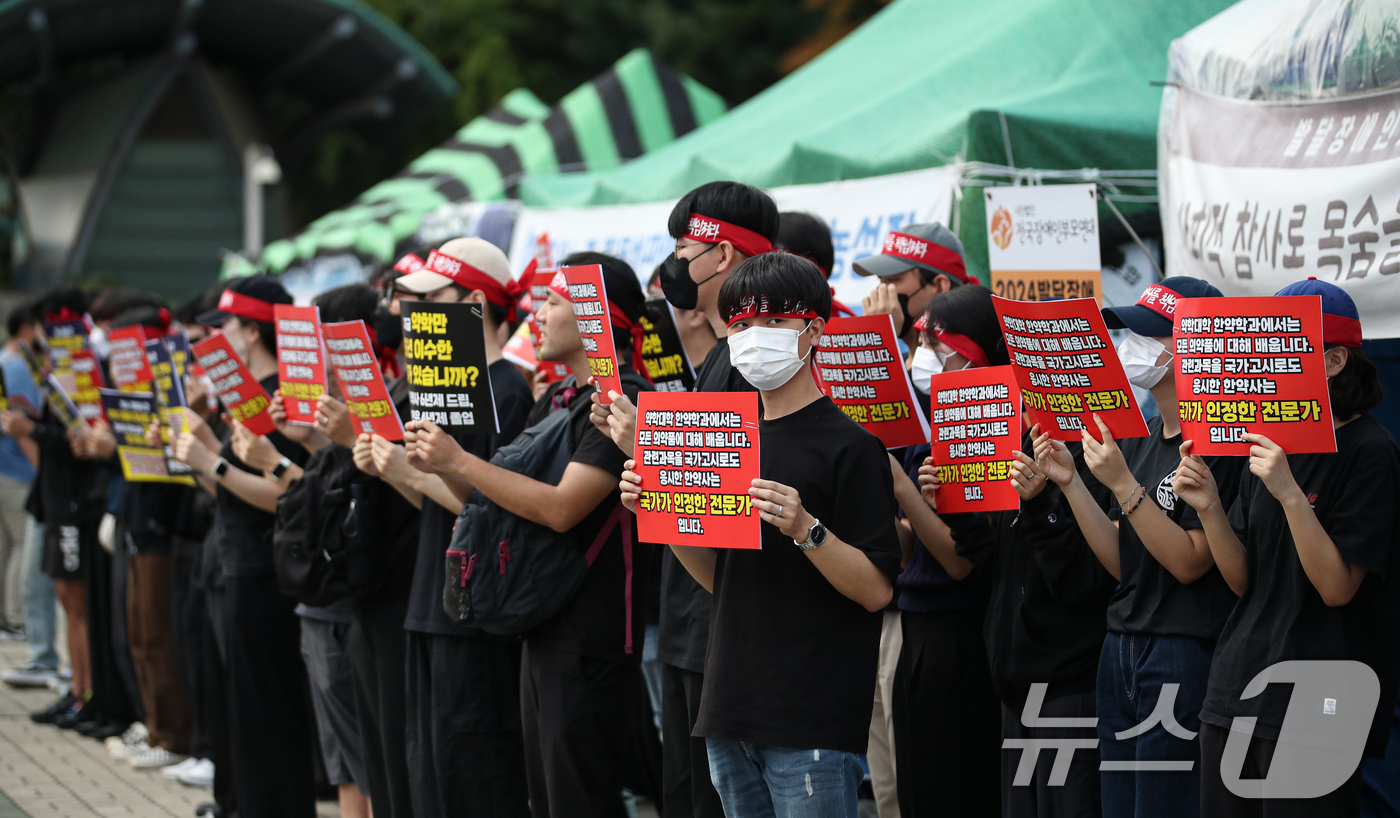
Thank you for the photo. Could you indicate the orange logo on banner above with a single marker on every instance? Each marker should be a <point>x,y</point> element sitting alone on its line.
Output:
<point>1002,228</point>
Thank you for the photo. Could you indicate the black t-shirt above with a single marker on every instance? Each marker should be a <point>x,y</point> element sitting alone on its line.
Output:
<point>1281,616</point>
<point>245,533</point>
<point>1149,599</point>
<point>685,606</point>
<point>791,660</point>
<point>512,398</point>
<point>66,490</point>
<point>595,622</point>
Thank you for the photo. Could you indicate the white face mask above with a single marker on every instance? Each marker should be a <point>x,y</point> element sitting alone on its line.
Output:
<point>925,365</point>
<point>767,356</point>
<point>97,339</point>
<point>1139,355</point>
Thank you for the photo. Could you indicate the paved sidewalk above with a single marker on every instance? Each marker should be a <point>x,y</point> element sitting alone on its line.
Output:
<point>45,771</point>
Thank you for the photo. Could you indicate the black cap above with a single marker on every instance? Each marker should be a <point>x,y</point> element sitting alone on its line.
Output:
<point>260,287</point>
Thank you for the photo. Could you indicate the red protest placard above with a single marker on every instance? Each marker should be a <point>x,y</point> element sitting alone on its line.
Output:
<point>301,366</point>
<point>1252,365</point>
<point>590,299</point>
<point>976,425</point>
<point>351,357</point>
<point>859,368</point>
<point>131,371</point>
<point>697,454</point>
<point>1067,368</point>
<point>239,392</point>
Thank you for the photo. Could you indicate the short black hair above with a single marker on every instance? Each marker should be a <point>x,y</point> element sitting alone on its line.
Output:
<point>59,298</point>
<point>969,311</point>
<point>196,305</point>
<point>19,316</point>
<point>1356,388</point>
<point>353,302</point>
<point>806,235</point>
<point>111,303</point>
<point>623,289</point>
<point>732,202</point>
<point>789,283</point>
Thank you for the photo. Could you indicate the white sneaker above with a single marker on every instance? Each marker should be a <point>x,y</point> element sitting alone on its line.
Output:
<point>129,751</point>
<point>200,775</point>
<point>120,746</point>
<point>154,758</point>
<point>172,773</point>
<point>29,676</point>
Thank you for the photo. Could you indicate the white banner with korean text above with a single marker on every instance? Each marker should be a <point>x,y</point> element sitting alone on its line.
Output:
<point>859,211</point>
<point>1258,195</point>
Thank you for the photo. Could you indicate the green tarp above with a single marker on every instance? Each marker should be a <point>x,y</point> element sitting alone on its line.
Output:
<point>636,106</point>
<point>924,82</point>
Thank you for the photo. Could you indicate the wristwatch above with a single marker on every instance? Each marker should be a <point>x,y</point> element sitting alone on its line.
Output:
<point>281,468</point>
<point>220,468</point>
<point>816,535</point>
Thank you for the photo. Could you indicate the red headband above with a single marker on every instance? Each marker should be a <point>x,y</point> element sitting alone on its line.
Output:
<point>709,230</point>
<point>962,345</point>
<point>750,307</point>
<point>1160,300</point>
<point>1341,330</point>
<point>923,251</point>
<point>409,264</point>
<point>245,306</point>
<point>502,295</point>
<point>63,316</point>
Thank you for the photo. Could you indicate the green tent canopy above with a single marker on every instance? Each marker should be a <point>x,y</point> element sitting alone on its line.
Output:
<point>1048,84</point>
<point>635,107</point>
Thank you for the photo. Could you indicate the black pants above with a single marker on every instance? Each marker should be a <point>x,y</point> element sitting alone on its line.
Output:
<point>1078,796</point>
<point>588,734</point>
<point>1218,802</point>
<point>214,705</point>
<point>114,692</point>
<point>192,632</point>
<point>463,743</point>
<point>269,701</point>
<point>947,721</point>
<point>379,654</point>
<point>685,764</point>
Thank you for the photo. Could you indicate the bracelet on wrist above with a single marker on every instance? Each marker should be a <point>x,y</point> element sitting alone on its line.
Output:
<point>1123,505</point>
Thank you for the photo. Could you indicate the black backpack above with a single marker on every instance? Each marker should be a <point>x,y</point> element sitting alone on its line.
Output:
<point>507,574</point>
<point>322,545</point>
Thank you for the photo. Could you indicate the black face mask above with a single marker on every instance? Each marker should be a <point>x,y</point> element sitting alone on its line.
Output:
<point>904,307</point>
<point>388,328</point>
<point>682,291</point>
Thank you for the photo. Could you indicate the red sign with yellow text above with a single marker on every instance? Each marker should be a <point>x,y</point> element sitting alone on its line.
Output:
<point>859,368</point>
<point>976,425</point>
<point>239,392</point>
<point>590,300</point>
<point>301,364</point>
<point>131,372</point>
<point>1067,368</point>
<point>697,454</point>
<point>1252,365</point>
<point>362,388</point>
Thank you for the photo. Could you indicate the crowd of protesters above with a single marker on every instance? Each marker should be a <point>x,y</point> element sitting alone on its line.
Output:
<point>1125,606</point>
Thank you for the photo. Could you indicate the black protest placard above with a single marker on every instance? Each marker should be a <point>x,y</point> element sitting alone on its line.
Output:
<point>448,379</point>
<point>663,353</point>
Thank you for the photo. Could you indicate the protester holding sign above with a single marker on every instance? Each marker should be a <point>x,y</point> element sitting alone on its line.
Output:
<point>582,696</point>
<point>786,704</point>
<point>1171,600</point>
<point>810,237</point>
<point>270,748</point>
<point>452,668</point>
<point>1307,544</point>
<point>913,266</point>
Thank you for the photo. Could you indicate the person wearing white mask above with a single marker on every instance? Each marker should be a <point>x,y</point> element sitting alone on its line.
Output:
<point>1171,601</point>
<point>790,671</point>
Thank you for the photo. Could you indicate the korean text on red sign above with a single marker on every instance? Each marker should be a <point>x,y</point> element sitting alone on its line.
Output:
<point>356,368</point>
<point>239,392</point>
<point>1067,368</point>
<point>1252,365</point>
<point>976,425</point>
<point>698,457</point>
<point>590,300</point>
<point>858,367</point>
<point>301,364</point>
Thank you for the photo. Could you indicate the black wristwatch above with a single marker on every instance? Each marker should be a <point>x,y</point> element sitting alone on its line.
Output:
<point>220,468</point>
<point>281,468</point>
<point>816,535</point>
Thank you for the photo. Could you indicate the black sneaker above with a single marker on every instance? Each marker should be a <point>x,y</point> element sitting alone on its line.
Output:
<point>53,711</point>
<point>209,810</point>
<point>80,713</point>
<point>104,730</point>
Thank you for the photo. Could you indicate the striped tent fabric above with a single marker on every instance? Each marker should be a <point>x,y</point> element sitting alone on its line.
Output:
<point>636,106</point>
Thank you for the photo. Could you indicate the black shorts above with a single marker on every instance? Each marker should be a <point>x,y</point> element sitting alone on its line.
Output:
<point>67,549</point>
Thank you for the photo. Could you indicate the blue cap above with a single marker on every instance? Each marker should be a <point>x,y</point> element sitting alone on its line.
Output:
<point>1341,323</point>
<point>1153,314</point>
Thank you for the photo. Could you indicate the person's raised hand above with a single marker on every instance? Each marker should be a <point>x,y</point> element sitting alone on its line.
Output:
<point>884,300</point>
<point>617,420</point>
<point>630,486</point>
<point>1053,458</point>
<point>1026,477</point>
<point>299,432</point>
<point>1194,483</point>
<point>390,459</point>
<point>363,453</point>
<point>1269,462</point>
<point>781,506</point>
<point>190,451</point>
<point>154,437</point>
<point>1105,460</point>
<point>929,483</point>
<point>539,383</point>
<point>15,423</point>
<point>101,442</point>
<point>430,448</point>
<point>333,421</point>
<point>255,450</point>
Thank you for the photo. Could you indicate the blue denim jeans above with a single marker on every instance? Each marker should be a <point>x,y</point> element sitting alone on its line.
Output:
<point>1132,670</point>
<point>40,602</point>
<point>758,781</point>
